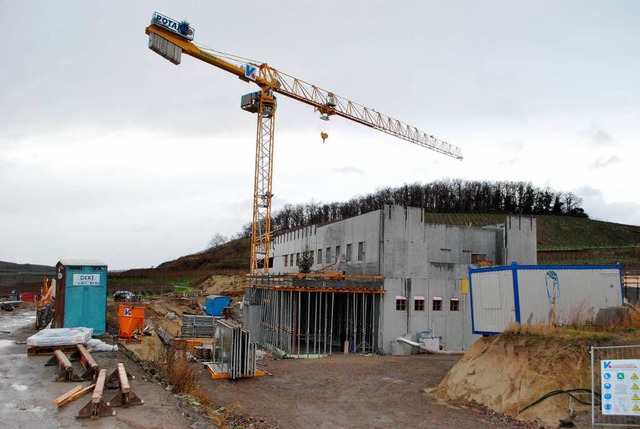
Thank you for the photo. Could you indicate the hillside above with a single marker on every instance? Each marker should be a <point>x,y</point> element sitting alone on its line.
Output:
<point>233,255</point>
<point>561,240</point>
<point>556,232</point>
<point>568,240</point>
<point>18,274</point>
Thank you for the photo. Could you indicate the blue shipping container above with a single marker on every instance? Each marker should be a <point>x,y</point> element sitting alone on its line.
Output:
<point>215,304</point>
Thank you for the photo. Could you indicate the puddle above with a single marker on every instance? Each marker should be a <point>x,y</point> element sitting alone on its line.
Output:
<point>20,387</point>
<point>6,343</point>
<point>10,321</point>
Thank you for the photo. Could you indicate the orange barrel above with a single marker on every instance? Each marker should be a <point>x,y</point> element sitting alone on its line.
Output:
<point>130,320</point>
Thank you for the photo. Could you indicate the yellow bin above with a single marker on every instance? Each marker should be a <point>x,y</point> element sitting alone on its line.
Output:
<point>130,321</point>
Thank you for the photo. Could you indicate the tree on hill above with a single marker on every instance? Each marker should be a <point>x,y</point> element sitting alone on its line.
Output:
<point>443,196</point>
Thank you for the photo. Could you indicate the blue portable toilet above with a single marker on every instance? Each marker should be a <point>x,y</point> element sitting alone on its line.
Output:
<point>215,304</point>
<point>81,295</point>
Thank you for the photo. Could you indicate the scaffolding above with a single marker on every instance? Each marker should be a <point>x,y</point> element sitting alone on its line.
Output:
<point>316,314</point>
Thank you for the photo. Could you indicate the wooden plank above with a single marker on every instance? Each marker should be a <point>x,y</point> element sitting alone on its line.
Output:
<point>49,350</point>
<point>64,396</point>
<point>76,395</point>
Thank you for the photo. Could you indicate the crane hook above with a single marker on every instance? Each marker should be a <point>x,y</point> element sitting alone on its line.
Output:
<point>324,136</point>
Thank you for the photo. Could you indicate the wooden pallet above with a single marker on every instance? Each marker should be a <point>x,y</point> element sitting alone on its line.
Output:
<point>50,350</point>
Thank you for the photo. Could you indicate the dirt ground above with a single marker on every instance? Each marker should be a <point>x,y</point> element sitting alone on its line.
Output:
<point>337,391</point>
<point>345,391</point>
<point>350,391</point>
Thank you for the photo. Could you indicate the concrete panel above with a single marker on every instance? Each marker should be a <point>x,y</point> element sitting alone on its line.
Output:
<point>362,229</point>
<point>457,245</point>
<point>251,316</point>
<point>395,323</point>
<point>521,240</point>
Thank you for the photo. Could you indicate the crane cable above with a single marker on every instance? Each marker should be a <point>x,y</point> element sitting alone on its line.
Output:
<point>227,56</point>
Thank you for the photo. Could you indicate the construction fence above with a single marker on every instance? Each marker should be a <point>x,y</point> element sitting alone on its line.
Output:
<point>615,374</point>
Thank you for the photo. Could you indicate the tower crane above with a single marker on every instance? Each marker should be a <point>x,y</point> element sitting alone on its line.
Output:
<point>171,38</point>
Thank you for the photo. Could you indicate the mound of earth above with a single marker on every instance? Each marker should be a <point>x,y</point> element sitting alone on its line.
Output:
<point>508,372</point>
<point>230,285</point>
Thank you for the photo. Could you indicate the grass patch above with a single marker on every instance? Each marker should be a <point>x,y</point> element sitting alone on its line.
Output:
<point>177,371</point>
<point>580,324</point>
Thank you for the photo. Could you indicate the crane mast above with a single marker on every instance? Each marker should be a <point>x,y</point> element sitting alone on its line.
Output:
<point>170,39</point>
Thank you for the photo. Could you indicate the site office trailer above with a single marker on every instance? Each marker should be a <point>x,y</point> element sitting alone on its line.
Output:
<point>525,294</point>
<point>81,295</point>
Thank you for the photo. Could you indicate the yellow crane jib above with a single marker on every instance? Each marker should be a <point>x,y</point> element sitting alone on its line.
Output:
<point>171,38</point>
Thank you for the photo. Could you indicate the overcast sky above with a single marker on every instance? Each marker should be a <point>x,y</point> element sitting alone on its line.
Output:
<point>109,151</point>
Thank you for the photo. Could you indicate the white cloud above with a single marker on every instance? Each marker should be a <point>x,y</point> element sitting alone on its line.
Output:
<point>598,208</point>
<point>109,151</point>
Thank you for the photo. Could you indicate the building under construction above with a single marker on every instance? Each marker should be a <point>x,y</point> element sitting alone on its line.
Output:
<point>374,278</point>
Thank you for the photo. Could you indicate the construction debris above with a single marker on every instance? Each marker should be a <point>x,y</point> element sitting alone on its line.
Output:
<point>60,399</point>
<point>72,395</point>
<point>204,353</point>
<point>197,326</point>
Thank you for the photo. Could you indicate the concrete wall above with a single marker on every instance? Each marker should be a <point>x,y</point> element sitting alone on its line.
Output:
<point>429,261</point>
<point>364,229</point>
<point>417,260</point>
<point>520,240</point>
<point>453,326</point>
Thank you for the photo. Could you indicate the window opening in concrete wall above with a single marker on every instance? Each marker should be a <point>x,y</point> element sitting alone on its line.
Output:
<point>291,259</point>
<point>337,253</point>
<point>348,255</point>
<point>418,304</point>
<point>478,257</point>
<point>328,256</point>
<point>297,258</point>
<point>286,260</point>
<point>319,256</point>
<point>437,303</point>
<point>312,258</point>
<point>401,303</point>
<point>454,304</point>
<point>361,251</point>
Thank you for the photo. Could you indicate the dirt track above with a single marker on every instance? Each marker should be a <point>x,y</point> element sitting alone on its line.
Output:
<point>350,392</point>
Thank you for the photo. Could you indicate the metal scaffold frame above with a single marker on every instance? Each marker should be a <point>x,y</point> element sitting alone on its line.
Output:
<point>308,322</point>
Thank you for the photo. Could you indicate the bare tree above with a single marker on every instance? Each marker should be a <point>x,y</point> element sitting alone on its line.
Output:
<point>216,241</point>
